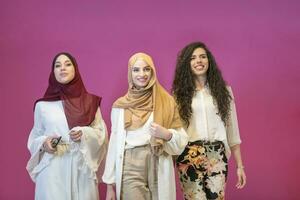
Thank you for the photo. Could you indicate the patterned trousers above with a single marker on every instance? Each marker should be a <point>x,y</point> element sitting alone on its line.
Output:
<point>202,169</point>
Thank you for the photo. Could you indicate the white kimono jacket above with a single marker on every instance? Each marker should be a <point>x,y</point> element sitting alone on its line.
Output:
<point>71,176</point>
<point>114,159</point>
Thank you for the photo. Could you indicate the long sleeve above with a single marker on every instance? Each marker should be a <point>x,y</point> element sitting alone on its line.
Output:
<point>36,136</point>
<point>232,129</point>
<point>177,143</point>
<point>35,141</point>
<point>166,175</point>
<point>109,176</point>
<point>93,143</point>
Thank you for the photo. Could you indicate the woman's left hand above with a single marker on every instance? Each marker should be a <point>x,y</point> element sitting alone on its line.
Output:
<point>241,178</point>
<point>158,131</point>
<point>75,135</point>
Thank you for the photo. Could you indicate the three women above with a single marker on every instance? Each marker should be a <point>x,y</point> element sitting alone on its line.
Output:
<point>146,131</point>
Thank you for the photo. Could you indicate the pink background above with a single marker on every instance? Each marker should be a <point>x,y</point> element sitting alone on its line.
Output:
<point>256,44</point>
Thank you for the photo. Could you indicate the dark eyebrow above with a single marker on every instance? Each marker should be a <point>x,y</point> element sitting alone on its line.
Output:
<point>203,54</point>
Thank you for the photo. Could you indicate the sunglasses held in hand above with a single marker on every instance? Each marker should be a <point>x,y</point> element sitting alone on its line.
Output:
<point>55,141</point>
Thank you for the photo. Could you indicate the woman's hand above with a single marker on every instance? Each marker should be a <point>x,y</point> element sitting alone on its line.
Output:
<point>75,135</point>
<point>160,132</point>
<point>47,145</point>
<point>236,151</point>
<point>110,193</point>
<point>241,178</point>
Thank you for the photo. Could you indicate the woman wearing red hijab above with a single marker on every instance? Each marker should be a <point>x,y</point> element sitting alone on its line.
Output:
<point>68,140</point>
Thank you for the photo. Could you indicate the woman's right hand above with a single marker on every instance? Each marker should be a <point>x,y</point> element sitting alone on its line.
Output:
<point>47,147</point>
<point>158,131</point>
<point>110,192</point>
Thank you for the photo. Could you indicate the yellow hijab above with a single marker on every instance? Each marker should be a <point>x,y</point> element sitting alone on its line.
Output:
<point>139,103</point>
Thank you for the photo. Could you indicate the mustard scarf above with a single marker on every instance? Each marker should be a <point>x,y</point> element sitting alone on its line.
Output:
<point>139,103</point>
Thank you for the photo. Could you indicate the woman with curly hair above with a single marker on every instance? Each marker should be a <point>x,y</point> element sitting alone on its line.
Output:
<point>207,109</point>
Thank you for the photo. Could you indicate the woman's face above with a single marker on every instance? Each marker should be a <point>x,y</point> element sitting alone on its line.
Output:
<point>64,70</point>
<point>141,74</point>
<point>199,62</point>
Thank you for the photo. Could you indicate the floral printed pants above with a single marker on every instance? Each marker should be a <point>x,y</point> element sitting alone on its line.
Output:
<point>202,170</point>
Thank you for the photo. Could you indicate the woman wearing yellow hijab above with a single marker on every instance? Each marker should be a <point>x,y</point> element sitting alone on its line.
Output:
<point>146,131</point>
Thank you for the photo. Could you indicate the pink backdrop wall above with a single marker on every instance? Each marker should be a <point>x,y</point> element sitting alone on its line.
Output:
<point>256,44</point>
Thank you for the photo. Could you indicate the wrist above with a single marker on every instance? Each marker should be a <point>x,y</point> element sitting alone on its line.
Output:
<point>240,167</point>
<point>169,136</point>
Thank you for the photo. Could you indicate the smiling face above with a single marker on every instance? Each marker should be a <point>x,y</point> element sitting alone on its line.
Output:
<point>199,62</point>
<point>141,74</point>
<point>64,70</point>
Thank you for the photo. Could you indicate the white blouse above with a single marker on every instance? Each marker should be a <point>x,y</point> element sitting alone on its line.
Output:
<point>206,124</point>
<point>140,136</point>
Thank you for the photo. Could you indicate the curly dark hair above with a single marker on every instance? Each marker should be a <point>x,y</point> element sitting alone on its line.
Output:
<point>184,86</point>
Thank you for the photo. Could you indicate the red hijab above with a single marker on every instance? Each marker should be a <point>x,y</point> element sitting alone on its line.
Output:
<point>80,107</point>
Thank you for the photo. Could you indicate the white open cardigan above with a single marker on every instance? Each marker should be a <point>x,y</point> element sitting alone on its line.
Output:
<point>114,160</point>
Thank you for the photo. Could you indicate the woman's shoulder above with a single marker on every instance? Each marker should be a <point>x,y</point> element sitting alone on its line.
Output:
<point>116,110</point>
<point>42,105</point>
<point>228,87</point>
<point>117,114</point>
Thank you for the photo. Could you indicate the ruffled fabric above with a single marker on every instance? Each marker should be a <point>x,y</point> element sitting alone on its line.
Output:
<point>38,159</point>
<point>35,165</point>
<point>87,158</point>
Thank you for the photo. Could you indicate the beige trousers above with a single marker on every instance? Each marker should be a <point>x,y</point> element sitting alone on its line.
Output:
<point>139,178</point>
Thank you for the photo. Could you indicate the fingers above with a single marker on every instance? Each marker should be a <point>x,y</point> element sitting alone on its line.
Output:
<point>156,130</point>
<point>241,178</point>
<point>160,132</point>
<point>75,135</point>
<point>153,129</point>
<point>238,185</point>
<point>48,147</point>
<point>154,126</point>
